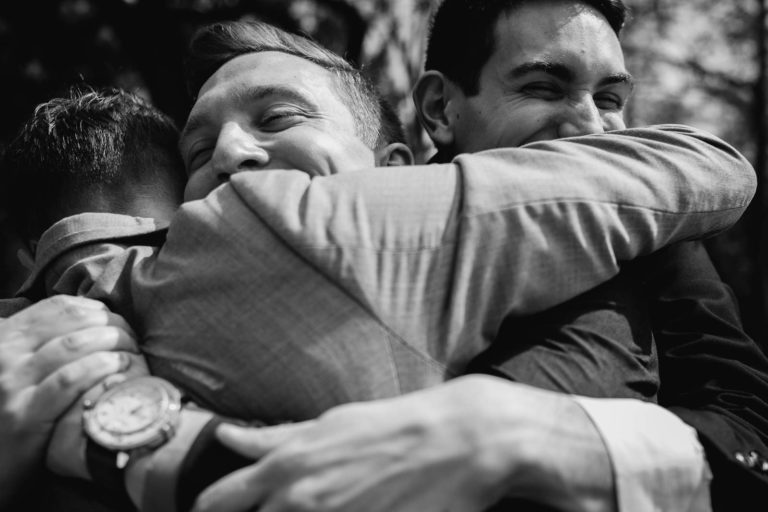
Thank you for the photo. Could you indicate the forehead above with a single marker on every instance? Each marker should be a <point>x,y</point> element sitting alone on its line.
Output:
<point>570,33</point>
<point>269,75</point>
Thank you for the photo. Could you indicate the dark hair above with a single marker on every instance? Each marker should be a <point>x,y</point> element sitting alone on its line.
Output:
<point>89,144</point>
<point>461,35</point>
<point>214,45</point>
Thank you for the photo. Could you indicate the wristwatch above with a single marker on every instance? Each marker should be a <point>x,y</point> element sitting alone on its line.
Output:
<point>135,415</point>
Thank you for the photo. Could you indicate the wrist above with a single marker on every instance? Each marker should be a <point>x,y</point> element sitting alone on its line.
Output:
<point>542,447</point>
<point>152,479</point>
<point>171,477</point>
<point>570,465</point>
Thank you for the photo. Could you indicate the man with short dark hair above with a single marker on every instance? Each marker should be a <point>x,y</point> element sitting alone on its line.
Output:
<point>528,72</point>
<point>104,151</point>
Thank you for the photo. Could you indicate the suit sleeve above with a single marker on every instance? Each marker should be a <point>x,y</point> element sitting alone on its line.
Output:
<point>713,376</point>
<point>444,253</point>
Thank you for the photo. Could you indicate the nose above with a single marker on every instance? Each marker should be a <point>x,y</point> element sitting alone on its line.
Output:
<point>581,117</point>
<point>237,149</point>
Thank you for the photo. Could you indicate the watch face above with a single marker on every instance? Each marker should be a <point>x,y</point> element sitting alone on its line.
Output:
<point>134,413</point>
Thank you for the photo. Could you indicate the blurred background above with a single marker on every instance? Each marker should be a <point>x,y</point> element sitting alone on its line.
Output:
<point>697,62</point>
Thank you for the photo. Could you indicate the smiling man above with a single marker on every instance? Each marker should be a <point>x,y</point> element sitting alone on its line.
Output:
<point>555,69</point>
<point>536,72</point>
<point>300,125</point>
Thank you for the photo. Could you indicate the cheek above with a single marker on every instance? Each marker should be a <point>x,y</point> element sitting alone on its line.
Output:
<point>524,125</point>
<point>474,131</point>
<point>324,155</point>
<point>197,187</point>
<point>307,154</point>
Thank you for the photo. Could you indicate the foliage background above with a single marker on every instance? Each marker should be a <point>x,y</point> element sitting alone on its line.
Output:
<point>697,62</point>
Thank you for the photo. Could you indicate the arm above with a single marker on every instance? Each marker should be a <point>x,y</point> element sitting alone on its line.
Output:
<point>564,213</point>
<point>448,204</point>
<point>417,265</point>
<point>50,354</point>
<point>432,450</point>
<point>714,377</point>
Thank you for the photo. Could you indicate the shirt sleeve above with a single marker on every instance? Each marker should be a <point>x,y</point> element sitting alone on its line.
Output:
<point>658,462</point>
<point>444,253</point>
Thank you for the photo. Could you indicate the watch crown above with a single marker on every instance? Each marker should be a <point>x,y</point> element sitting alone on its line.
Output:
<point>122,460</point>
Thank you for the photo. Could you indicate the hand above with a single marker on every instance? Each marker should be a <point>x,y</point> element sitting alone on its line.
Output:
<point>50,354</point>
<point>66,450</point>
<point>459,446</point>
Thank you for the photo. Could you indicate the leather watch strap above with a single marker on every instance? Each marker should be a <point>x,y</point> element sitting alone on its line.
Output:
<point>103,468</point>
<point>206,461</point>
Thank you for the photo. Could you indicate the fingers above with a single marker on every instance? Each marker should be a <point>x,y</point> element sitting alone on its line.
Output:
<point>235,492</point>
<point>245,488</point>
<point>59,390</point>
<point>257,442</point>
<point>63,350</point>
<point>56,316</point>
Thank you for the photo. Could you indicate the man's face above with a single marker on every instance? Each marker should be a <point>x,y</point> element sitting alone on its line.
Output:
<point>557,71</point>
<point>268,110</point>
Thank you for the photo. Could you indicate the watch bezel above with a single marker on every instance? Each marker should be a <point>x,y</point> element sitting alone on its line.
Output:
<point>159,430</point>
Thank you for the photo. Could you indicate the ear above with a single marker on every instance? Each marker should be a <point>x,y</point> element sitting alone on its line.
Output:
<point>396,153</point>
<point>431,97</point>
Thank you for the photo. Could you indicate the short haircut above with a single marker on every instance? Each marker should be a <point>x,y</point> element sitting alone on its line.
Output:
<point>214,45</point>
<point>462,35</point>
<point>85,145</point>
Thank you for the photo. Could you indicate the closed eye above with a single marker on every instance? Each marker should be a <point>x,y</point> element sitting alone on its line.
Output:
<point>281,118</point>
<point>609,101</point>
<point>543,90</point>
<point>197,158</point>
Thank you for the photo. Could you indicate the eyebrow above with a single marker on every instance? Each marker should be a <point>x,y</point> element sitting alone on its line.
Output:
<point>564,73</point>
<point>246,95</point>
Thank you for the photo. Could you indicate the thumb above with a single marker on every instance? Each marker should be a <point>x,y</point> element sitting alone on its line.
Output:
<point>255,442</point>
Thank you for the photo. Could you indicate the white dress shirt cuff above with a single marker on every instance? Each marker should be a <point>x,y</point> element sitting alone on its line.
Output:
<point>658,462</point>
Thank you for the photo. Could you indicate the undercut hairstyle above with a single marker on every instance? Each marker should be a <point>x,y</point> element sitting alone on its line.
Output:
<point>216,44</point>
<point>462,35</point>
<point>88,145</point>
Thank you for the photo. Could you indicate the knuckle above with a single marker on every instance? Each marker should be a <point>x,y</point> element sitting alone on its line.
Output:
<point>73,375</point>
<point>73,311</point>
<point>69,307</point>
<point>59,301</point>
<point>67,377</point>
<point>74,342</point>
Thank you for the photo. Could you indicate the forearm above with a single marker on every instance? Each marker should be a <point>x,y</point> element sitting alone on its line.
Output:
<point>445,252</point>
<point>713,375</point>
<point>547,210</point>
